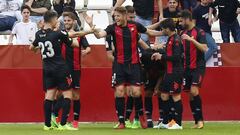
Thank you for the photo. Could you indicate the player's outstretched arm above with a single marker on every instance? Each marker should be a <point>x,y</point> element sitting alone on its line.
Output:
<point>143,44</point>
<point>99,33</point>
<point>33,48</point>
<point>81,33</point>
<point>154,32</point>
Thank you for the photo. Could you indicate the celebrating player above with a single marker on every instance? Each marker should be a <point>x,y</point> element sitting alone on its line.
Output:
<point>194,42</point>
<point>55,71</point>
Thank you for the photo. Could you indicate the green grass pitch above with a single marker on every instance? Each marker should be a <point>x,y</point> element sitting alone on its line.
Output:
<point>211,128</point>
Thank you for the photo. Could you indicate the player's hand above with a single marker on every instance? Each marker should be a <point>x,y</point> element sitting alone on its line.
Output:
<point>88,19</point>
<point>84,52</point>
<point>210,21</point>
<point>156,56</point>
<point>186,37</point>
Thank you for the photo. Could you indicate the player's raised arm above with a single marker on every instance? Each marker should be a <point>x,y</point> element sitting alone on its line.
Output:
<point>201,46</point>
<point>143,44</point>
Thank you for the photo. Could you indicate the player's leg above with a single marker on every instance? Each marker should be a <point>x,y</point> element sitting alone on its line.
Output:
<point>64,82</point>
<point>129,107</point>
<point>56,108</point>
<point>139,104</point>
<point>48,103</point>
<point>76,97</point>
<point>176,105</point>
<point>120,105</point>
<point>195,98</point>
<point>149,106</point>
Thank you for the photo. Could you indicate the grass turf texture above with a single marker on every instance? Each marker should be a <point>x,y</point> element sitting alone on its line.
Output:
<point>211,128</point>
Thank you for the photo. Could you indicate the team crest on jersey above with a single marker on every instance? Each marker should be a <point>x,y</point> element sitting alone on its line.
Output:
<point>132,29</point>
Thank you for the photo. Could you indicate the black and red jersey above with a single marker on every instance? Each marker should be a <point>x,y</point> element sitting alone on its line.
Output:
<point>174,54</point>
<point>193,57</point>
<point>72,55</point>
<point>49,42</point>
<point>125,41</point>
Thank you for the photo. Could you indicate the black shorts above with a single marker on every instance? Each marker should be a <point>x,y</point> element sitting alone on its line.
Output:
<point>172,83</point>
<point>127,74</point>
<point>76,75</point>
<point>57,79</point>
<point>193,77</point>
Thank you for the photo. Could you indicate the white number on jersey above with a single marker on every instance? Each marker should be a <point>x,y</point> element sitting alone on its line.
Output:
<point>46,45</point>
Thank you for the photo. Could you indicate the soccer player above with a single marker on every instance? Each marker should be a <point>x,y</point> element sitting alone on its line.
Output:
<point>73,60</point>
<point>172,80</point>
<point>55,72</point>
<point>127,68</point>
<point>153,72</point>
<point>194,41</point>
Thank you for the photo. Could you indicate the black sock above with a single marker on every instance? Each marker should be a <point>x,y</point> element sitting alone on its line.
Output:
<point>120,106</point>
<point>58,105</point>
<point>192,106</point>
<point>76,109</point>
<point>66,110</point>
<point>47,111</point>
<point>172,109</point>
<point>139,105</point>
<point>129,107</point>
<point>198,108</point>
<point>148,108</point>
<point>165,108</point>
<point>178,112</point>
<point>160,102</point>
<point>54,103</point>
<point>136,117</point>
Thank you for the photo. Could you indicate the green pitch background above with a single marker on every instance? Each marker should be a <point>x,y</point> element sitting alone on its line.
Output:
<point>211,128</point>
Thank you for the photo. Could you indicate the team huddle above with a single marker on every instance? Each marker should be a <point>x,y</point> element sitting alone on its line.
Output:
<point>164,69</point>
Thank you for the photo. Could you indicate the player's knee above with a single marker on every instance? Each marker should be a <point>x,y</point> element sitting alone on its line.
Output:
<point>176,97</point>
<point>119,92</point>
<point>194,91</point>
<point>67,94</point>
<point>148,93</point>
<point>164,96</point>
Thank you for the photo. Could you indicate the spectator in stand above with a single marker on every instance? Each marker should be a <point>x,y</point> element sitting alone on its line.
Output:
<point>9,13</point>
<point>38,8</point>
<point>24,30</point>
<point>200,16</point>
<point>144,12</point>
<point>171,11</point>
<point>59,5</point>
<point>227,18</point>
<point>188,4</point>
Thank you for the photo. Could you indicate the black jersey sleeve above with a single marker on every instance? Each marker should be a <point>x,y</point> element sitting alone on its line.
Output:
<point>109,43</point>
<point>84,42</point>
<point>64,38</point>
<point>35,42</point>
<point>141,28</point>
<point>201,37</point>
<point>110,29</point>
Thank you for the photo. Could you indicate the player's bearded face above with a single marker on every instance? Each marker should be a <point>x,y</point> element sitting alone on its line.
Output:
<point>183,23</point>
<point>68,23</point>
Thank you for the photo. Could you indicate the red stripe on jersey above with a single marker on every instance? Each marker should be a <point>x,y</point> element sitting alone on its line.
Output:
<point>119,44</point>
<point>134,36</point>
<point>185,48</point>
<point>64,51</point>
<point>77,56</point>
<point>170,53</point>
<point>193,50</point>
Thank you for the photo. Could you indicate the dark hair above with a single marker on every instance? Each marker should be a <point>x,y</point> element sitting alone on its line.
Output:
<point>121,10</point>
<point>49,15</point>
<point>130,9</point>
<point>70,14</point>
<point>186,14</point>
<point>25,7</point>
<point>168,23</point>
